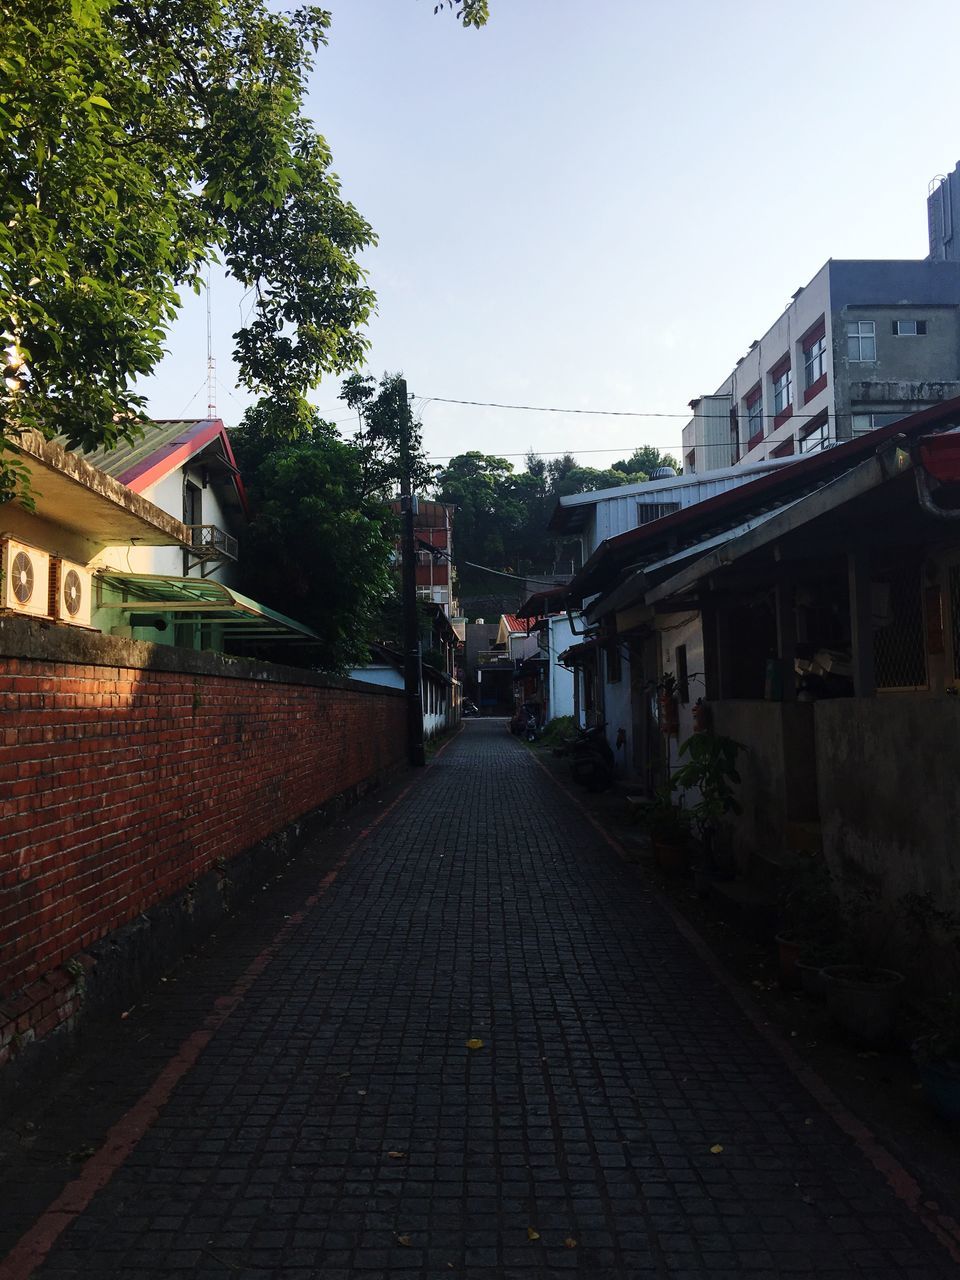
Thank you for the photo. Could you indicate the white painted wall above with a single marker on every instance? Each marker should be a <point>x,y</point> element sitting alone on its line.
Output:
<point>559,637</point>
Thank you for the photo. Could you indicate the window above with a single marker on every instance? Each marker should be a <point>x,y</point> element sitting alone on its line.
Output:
<point>899,648</point>
<point>647,512</point>
<point>860,423</point>
<point>753,404</point>
<point>861,340</point>
<point>815,361</point>
<point>909,328</point>
<point>816,435</point>
<point>782,378</point>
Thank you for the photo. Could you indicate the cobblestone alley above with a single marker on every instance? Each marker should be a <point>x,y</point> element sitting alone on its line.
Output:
<point>622,1117</point>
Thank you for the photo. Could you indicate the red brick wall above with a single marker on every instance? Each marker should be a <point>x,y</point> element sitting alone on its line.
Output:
<point>123,785</point>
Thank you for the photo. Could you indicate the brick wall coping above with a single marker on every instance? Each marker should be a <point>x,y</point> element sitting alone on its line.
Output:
<point>34,640</point>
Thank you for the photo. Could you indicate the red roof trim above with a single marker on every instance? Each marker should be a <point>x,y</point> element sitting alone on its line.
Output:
<point>194,438</point>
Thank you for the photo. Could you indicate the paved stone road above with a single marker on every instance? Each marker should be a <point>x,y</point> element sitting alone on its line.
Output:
<point>486,906</point>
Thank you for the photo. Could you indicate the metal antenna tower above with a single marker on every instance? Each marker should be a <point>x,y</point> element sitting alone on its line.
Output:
<point>211,362</point>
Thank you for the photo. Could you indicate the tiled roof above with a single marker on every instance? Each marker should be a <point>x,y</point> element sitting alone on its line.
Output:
<point>514,623</point>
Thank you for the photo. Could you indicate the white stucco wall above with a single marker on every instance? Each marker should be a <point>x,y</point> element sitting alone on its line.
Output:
<point>559,637</point>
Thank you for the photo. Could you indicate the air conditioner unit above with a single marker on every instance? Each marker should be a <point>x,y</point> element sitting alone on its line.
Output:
<point>74,593</point>
<point>26,579</point>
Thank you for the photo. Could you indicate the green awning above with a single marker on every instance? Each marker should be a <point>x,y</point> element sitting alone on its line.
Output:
<point>198,600</point>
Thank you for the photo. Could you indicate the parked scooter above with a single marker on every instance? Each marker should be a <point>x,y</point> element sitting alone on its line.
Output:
<point>525,724</point>
<point>592,761</point>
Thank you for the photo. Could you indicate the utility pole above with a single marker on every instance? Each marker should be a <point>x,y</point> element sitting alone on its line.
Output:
<point>411,621</point>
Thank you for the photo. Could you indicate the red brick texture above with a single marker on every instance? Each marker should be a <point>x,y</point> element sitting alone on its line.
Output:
<point>121,786</point>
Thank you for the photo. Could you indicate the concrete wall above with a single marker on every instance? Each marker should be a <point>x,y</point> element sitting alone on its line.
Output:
<point>132,774</point>
<point>889,800</point>
<point>778,769</point>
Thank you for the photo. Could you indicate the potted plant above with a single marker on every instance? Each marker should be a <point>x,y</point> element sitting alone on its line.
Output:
<point>710,770</point>
<point>936,1052</point>
<point>864,997</point>
<point>669,827</point>
<point>809,927</point>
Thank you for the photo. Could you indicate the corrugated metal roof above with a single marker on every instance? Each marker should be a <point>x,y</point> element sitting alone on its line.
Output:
<point>157,437</point>
<point>202,598</point>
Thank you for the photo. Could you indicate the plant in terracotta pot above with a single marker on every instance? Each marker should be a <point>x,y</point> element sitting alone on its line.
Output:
<point>936,1052</point>
<point>711,771</point>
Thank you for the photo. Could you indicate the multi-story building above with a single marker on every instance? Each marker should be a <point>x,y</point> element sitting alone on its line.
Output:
<point>863,344</point>
<point>433,539</point>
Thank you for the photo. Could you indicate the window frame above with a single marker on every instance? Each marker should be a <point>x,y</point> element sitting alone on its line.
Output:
<point>753,412</point>
<point>781,381</point>
<point>919,329</point>
<point>870,334</point>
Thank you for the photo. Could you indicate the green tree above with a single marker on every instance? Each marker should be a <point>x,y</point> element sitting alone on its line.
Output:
<point>320,544</point>
<point>644,461</point>
<point>144,139</point>
<point>378,434</point>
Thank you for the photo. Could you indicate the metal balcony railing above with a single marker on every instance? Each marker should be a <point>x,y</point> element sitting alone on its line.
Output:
<point>209,542</point>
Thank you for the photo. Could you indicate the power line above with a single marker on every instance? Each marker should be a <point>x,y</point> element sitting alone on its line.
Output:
<point>606,413</point>
<point>553,453</point>
<point>539,408</point>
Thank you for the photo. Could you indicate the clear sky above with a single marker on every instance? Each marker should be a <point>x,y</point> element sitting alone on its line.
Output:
<point>600,204</point>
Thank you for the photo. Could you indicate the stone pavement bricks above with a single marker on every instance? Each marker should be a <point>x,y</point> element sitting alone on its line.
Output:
<point>338,1128</point>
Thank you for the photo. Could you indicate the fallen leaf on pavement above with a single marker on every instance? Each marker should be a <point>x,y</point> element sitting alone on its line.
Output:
<point>397,1155</point>
<point>532,1235</point>
<point>569,1243</point>
<point>716,1149</point>
<point>405,1241</point>
<point>474,1043</point>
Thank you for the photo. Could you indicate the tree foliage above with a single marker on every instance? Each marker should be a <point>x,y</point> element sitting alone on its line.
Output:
<point>143,139</point>
<point>321,540</point>
<point>502,515</point>
<point>645,461</point>
<point>378,436</point>
<point>471,13</point>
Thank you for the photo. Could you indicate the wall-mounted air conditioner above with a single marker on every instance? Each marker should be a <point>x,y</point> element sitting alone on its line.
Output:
<point>74,592</point>
<point>26,579</point>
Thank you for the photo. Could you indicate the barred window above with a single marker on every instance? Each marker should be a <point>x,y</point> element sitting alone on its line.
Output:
<point>899,649</point>
<point>955,617</point>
